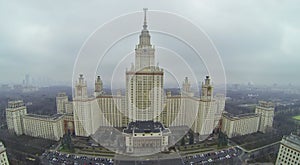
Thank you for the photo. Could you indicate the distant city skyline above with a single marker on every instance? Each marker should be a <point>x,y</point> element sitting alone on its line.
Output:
<point>257,40</point>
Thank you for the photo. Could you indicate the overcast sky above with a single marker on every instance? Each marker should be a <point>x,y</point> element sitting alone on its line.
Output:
<point>258,40</point>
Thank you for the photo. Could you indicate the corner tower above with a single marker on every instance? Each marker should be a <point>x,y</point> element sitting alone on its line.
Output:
<point>81,88</point>
<point>98,87</point>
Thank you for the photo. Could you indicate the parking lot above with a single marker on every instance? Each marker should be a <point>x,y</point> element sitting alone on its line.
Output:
<point>217,157</point>
<point>212,157</point>
<point>57,158</point>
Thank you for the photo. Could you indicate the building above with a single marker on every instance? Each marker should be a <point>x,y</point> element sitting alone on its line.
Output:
<point>111,106</point>
<point>144,99</point>
<point>266,112</point>
<point>68,124</point>
<point>207,110</point>
<point>144,82</point>
<point>234,125</point>
<point>61,103</point>
<point>47,127</point>
<point>86,112</point>
<point>289,151</point>
<point>19,122</point>
<point>14,113</point>
<point>3,156</point>
<point>146,137</point>
<point>261,120</point>
<point>98,87</point>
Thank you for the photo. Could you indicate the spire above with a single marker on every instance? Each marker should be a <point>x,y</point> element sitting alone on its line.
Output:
<point>144,37</point>
<point>145,18</point>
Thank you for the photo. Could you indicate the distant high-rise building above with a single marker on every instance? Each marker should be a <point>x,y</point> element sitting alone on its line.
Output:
<point>261,120</point>
<point>61,103</point>
<point>266,112</point>
<point>3,155</point>
<point>237,125</point>
<point>289,151</point>
<point>27,80</point>
<point>14,113</point>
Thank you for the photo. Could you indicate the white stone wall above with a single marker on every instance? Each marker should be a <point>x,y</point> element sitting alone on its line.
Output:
<point>289,151</point>
<point>266,117</point>
<point>61,101</point>
<point>180,111</point>
<point>14,114</point>
<point>3,155</point>
<point>43,127</point>
<point>144,94</point>
<point>234,126</point>
<point>112,108</point>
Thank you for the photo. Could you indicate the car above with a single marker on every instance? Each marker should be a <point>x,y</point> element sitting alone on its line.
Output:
<point>210,160</point>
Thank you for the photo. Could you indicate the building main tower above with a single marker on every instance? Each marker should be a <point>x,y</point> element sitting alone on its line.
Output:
<point>144,81</point>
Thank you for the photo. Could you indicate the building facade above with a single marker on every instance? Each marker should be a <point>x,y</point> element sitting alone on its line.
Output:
<point>144,82</point>
<point>289,151</point>
<point>237,125</point>
<point>61,103</point>
<point>142,137</point>
<point>261,120</point>
<point>19,122</point>
<point>47,127</point>
<point>144,99</point>
<point>14,116</point>
<point>3,155</point>
<point>266,112</point>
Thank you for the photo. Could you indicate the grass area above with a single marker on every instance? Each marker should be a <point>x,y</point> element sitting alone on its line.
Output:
<point>296,117</point>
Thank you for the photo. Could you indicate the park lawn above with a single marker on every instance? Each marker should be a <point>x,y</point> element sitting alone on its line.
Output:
<point>296,117</point>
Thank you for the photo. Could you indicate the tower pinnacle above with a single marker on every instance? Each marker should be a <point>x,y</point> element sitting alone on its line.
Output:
<point>145,18</point>
<point>144,37</point>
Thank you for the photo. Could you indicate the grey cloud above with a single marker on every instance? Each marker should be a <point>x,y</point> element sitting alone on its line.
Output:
<point>254,37</point>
